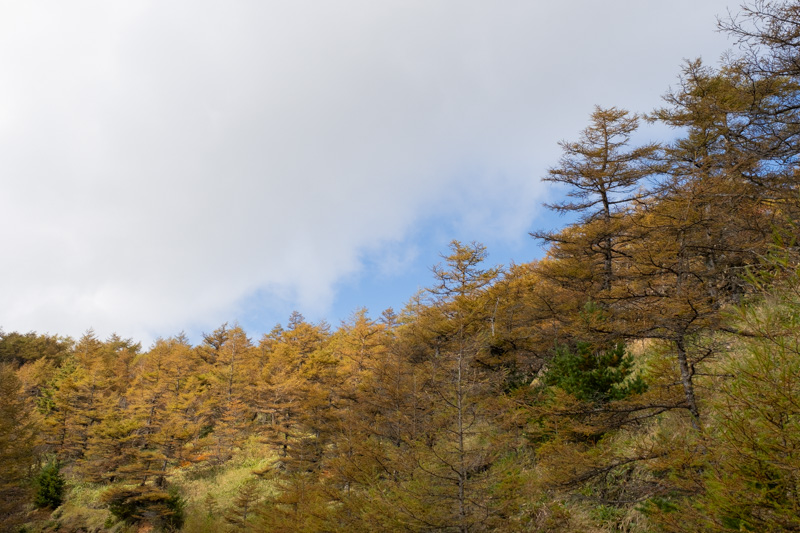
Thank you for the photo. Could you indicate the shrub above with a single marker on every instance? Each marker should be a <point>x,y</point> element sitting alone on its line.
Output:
<point>594,375</point>
<point>164,510</point>
<point>49,486</point>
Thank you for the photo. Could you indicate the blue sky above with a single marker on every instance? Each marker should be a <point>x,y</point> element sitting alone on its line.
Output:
<point>170,166</point>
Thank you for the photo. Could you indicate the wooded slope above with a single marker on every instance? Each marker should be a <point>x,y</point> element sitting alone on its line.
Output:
<point>643,376</point>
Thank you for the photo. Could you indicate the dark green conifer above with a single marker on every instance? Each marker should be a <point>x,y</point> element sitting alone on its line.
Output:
<point>49,486</point>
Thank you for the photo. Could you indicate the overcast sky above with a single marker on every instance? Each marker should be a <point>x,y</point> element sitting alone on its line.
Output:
<point>172,165</point>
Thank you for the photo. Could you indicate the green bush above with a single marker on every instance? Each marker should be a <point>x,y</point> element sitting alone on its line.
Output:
<point>593,375</point>
<point>164,510</point>
<point>49,486</point>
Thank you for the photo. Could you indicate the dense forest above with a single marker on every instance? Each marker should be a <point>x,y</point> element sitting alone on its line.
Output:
<point>644,376</point>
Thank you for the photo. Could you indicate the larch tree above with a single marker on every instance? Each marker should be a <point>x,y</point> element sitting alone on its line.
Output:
<point>602,175</point>
<point>227,408</point>
<point>448,467</point>
<point>289,358</point>
<point>158,402</point>
<point>704,225</point>
<point>768,33</point>
<point>18,349</point>
<point>17,448</point>
<point>111,439</point>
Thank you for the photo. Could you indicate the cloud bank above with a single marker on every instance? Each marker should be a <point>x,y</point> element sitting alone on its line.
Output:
<point>164,161</point>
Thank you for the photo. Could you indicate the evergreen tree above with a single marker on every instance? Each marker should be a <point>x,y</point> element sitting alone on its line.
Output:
<point>49,486</point>
<point>594,375</point>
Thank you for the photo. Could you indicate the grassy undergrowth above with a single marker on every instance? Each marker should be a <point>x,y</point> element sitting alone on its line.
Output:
<point>208,490</point>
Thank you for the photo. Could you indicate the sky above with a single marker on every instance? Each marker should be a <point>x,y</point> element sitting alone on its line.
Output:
<point>169,166</point>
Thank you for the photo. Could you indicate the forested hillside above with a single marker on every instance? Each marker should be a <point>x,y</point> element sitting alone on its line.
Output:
<point>644,376</point>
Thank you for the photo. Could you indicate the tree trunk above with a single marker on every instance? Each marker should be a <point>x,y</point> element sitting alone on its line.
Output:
<point>686,380</point>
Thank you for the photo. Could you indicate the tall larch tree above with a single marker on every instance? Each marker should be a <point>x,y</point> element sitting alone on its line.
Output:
<point>705,224</point>
<point>293,358</point>
<point>226,409</point>
<point>768,32</point>
<point>18,441</point>
<point>448,467</point>
<point>602,174</point>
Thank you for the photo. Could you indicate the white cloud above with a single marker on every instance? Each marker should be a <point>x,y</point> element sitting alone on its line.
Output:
<point>163,161</point>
